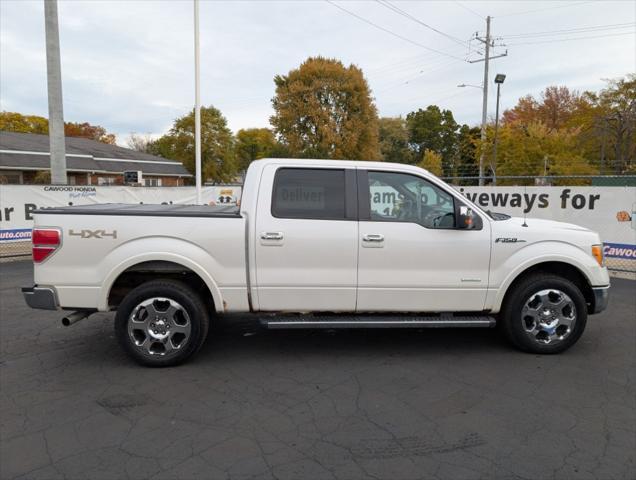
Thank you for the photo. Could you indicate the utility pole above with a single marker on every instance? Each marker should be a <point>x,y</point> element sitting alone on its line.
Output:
<point>484,105</point>
<point>54,84</point>
<point>489,43</point>
<point>197,105</point>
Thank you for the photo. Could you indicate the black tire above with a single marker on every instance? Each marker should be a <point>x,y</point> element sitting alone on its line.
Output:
<point>519,329</point>
<point>191,318</point>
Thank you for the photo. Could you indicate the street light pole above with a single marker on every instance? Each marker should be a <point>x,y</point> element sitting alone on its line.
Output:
<point>499,79</point>
<point>57,144</point>
<point>197,105</point>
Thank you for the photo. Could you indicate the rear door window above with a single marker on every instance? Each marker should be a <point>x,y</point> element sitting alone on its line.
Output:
<point>309,193</point>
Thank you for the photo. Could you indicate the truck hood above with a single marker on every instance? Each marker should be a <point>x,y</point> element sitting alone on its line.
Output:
<point>547,225</point>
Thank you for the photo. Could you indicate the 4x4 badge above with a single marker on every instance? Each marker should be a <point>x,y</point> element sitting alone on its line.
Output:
<point>93,234</point>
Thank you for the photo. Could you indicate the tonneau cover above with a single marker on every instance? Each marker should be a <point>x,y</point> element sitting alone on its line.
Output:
<point>149,210</point>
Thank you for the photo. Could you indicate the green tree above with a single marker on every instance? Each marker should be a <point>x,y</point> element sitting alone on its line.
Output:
<point>617,111</point>
<point>252,144</point>
<point>467,164</point>
<point>42,177</point>
<point>218,161</point>
<point>324,110</point>
<point>432,161</point>
<point>394,140</point>
<point>16,122</point>
<point>436,130</point>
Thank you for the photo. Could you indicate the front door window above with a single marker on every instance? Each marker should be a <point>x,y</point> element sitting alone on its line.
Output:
<point>400,197</point>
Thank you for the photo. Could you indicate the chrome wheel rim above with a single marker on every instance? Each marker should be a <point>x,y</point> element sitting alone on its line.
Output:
<point>548,316</point>
<point>159,326</point>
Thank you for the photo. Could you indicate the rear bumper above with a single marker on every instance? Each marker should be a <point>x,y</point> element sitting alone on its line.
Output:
<point>601,299</point>
<point>43,298</point>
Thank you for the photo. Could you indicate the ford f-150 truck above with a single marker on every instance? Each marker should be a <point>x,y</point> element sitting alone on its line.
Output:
<point>318,244</point>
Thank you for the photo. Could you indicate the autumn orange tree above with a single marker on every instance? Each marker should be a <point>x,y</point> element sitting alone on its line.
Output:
<point>17,122</point>
<point>324,110</point>
<point>598,129</point>
<point>86,130</point>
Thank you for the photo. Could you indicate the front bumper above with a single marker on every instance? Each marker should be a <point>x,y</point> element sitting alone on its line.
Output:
<point>601,299</point>
<point>43,298</point>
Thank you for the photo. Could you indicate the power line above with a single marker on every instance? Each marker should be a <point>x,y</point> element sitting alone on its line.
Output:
<point>615,26</point>
<point>422,73</point>
<point>413,69</point>
<point>409,62</point>
<point>571,39</point>
<point>469,10</point>
<point>543,9</point>
<point>399,11</point>
<point>390,32</point>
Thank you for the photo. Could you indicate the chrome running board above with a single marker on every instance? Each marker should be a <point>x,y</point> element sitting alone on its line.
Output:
<point>378,321</point>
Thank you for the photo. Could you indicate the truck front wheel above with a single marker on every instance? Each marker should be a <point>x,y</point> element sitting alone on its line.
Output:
<point>544,314</point>
<point>161,323</point>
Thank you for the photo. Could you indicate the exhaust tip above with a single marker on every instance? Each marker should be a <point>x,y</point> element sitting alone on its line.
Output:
<point>75,317</point>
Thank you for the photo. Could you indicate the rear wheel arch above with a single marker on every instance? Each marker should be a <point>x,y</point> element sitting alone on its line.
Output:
<point>143,272</point>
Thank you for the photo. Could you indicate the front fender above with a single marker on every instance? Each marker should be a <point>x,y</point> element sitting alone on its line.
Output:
<point>504,273</point>
<point>190,256</point>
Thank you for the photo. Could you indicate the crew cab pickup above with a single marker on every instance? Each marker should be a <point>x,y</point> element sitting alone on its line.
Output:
<point>318,244</point>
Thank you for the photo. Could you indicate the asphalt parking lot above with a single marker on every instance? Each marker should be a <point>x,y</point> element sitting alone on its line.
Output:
<point>441,404</point>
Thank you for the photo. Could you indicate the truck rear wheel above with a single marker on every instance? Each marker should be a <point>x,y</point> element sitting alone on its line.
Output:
<point>161,323</point>
<point>544,314</point>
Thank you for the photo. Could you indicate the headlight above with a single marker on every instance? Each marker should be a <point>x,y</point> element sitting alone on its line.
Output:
<point>597,253</point>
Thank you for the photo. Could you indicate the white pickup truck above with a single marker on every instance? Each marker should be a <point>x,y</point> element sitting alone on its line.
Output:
<point>318,244</point>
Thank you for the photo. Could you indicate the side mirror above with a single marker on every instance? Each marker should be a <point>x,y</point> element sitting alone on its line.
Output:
<point>467,219</point>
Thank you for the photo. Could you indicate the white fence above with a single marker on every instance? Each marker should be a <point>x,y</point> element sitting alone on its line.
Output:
<point>611,211</point>
<point>17,202</point>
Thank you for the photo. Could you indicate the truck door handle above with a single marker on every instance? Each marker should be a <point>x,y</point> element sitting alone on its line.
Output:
<point>373,237</point>
<point>272,236</point>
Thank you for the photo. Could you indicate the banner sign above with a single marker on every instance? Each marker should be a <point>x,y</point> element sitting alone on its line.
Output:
<point>18,202</point>
<point>619,250</point>
<point>610,211</point>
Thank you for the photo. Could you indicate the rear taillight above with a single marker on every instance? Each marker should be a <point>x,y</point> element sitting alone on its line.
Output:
<point>45,242</point>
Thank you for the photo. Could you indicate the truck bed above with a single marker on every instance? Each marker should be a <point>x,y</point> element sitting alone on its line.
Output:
<point>146,210</point>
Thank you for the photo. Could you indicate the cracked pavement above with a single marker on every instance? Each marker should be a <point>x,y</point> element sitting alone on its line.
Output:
<point>399,404</point>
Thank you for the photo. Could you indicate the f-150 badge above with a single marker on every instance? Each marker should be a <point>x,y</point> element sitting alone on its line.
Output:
<point>93,234</point>
<point>508,240</point>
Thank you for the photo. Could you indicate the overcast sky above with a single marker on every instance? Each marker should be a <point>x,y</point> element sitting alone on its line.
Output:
<point>128,65</point>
